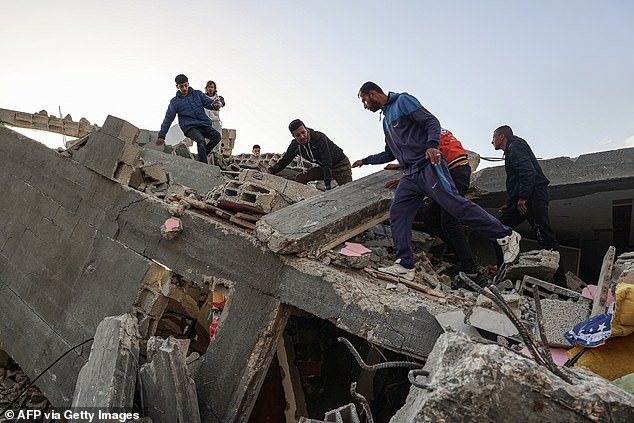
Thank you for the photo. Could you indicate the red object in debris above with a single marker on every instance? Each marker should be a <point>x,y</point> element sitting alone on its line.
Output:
<point>173,224</point>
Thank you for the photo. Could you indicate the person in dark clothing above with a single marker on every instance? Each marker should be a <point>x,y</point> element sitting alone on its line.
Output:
<point>315,147</point>
<point>412,136</point>
<point>527,190</point>
<point>190,105</point>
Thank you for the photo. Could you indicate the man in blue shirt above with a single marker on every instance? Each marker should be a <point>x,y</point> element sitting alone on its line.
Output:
<point>412,135</point>
<point>190,105</point>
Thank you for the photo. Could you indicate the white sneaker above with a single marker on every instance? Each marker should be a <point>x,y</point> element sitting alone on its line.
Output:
<point>398,271</point>
<point>510,246</point>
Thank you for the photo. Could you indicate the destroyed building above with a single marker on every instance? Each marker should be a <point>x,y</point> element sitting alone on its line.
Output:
<point>216,293</point>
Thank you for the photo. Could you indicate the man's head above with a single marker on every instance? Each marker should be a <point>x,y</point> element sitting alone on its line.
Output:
<point>501,137</point>
<point>372,96</point>
<point>210,88</point>
<point>299,131</point>
<point>182,84</point>
<point>256,150</point>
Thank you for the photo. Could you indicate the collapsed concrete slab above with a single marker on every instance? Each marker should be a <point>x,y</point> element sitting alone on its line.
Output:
<point>470,381</point>
<point>76,247</point>
<point>43,121</point>
<point>322,222</point>
<point>108,380</point>
<point>540,264</point>
<point>169,392</point>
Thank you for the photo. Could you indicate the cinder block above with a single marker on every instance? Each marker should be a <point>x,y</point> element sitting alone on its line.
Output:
<point>102,153</point>
<point>291,191</point>
<point>561,316</point>
<point>120,129</point>
<point>155,172</point>
<point>131,154</point>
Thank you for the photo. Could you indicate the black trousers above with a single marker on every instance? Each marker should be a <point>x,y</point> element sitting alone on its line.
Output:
<point>451,230</point>
<point>537,217</point>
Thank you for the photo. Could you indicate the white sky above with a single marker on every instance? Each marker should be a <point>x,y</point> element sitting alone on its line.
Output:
<point>559,72</point>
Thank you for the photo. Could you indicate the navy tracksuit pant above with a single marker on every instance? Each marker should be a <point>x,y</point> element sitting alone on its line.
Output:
<point>409,195</point>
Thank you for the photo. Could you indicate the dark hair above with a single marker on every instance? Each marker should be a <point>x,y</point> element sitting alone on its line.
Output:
<point>370,86</point>
<point>295,124</point>
<point>504,130</point>
<point>211,82</point>
<point>180,79</point>
<point>256,146</point>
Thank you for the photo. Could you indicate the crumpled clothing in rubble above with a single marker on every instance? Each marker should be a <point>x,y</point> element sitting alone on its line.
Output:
<point>610,358</point>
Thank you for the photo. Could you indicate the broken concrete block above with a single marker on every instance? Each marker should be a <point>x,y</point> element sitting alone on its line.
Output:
<point>250,194</point>
<point>120,129</point>
<point>155,172</point>
<point>574,282</point>
<point>454,320</point>
<point>561,316</point>
<point>182,150</point>
<point>472,382</point>
<point>108,379</point>
<point>124,174</point>
<point>168,390</point>
<point>603,286</point>
<point>171,227</point>
<point>546,289</point>
<point>492,321</point>
<point>292,192</point>
<point>131,154</point>
<point>101,153</point>
<point>540,264</point>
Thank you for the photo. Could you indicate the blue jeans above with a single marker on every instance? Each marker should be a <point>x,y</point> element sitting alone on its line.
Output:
<point>409,196</point>
<point>198,134</point>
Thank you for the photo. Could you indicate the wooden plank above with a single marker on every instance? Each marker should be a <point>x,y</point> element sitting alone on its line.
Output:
<point>241,222</point>
<point>248,217</point>
<point>352,233</point>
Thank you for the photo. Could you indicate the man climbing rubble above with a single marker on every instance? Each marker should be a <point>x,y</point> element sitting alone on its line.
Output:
<point>412,136</point>
<point>190,104</point>
<point>527,190</point>
<point>315,147</point>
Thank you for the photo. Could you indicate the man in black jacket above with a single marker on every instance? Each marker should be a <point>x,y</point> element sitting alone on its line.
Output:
<point>315,147</point>
<point>527,189</point>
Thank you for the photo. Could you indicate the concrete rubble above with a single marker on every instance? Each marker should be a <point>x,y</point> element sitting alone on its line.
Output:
<point>117,226</point>
<point>471,381</point>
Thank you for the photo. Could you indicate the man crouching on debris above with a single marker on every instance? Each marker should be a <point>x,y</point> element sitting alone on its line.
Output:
<point>412,136</point>
<point>190,105</point>
<point>315,147</point>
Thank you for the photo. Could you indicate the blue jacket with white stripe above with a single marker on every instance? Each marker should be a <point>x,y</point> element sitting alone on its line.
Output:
<point>410,130</point>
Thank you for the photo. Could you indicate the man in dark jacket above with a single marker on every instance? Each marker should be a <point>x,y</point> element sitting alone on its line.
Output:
<point>412,136</point>
<point>190,105</point>
<point>527,189</point>
<point>315,147</point>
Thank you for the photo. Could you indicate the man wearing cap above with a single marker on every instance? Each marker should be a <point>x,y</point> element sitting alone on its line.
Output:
<point>190,104</point>
<point>315,147</point>
<point>412,136</point>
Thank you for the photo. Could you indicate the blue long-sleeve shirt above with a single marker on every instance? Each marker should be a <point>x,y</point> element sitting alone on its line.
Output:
<point>409,129</point>
<point>190,109</point>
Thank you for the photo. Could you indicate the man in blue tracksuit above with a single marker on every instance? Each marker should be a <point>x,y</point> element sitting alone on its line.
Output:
<point>190,105</point>
<point>412,136</point>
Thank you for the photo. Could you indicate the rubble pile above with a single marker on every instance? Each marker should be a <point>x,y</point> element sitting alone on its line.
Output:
<point>13,381</point>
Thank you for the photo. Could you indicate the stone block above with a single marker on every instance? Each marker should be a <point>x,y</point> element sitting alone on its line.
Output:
<point>168,389</point>
<point>182,150</point>
<point>540,264</point>
<point>120,129</point>
<point>124,174</point>
<point>561,316</point>
<point>108,379</point>
<point>155,172</point>
<point>131,154</point>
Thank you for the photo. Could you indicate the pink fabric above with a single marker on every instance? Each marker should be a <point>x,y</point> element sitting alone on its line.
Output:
<point>352,249</point>
<point>590,292</point>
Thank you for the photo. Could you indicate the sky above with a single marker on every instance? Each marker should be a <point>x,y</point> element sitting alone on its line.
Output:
<point>560,73</point>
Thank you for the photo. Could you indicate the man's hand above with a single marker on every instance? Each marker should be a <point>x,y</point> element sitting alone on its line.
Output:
<point>358,163</point>
<point>434,156</point>
<point>160,141</point>
<point>392,166</point>
<point>503,208</point>
<point>392,184</point>
<point>521,206</point>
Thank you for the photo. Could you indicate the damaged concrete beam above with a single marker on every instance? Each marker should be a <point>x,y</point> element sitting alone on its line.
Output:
<point>322,222</point>
<point>108,380</point>
<point>599,305</point>
<point>168,391</point>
